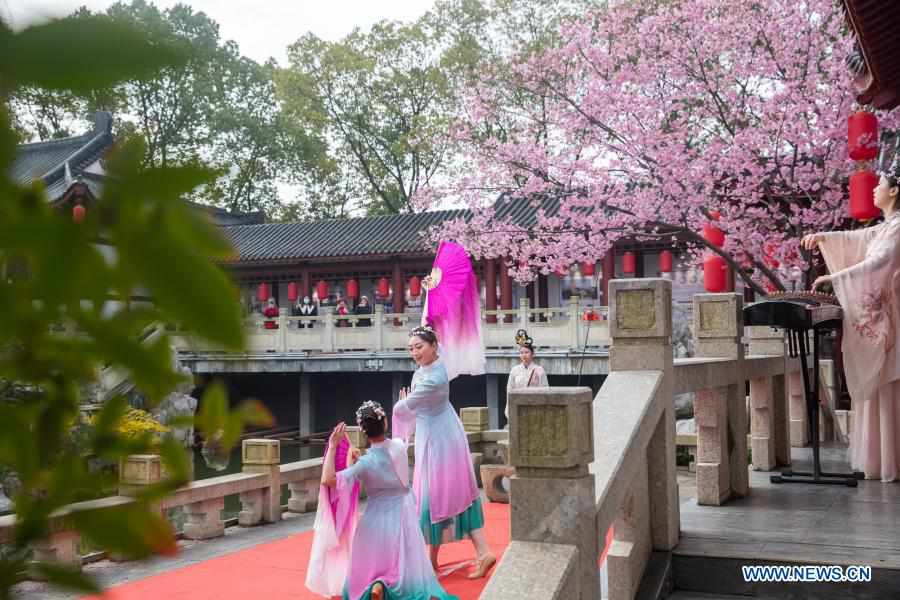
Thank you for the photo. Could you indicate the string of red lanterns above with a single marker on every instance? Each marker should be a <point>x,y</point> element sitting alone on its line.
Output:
<point>715,268</point>
<point>862,146</point>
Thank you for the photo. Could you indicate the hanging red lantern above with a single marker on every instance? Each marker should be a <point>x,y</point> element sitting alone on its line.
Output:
<point>384,288</point>
<point>587,269</point>
<point>78,213</point>
<point>322,290</point>
<point>665,261</point>
<point>628,263</point>
<point>262,292</point>
<point>715,273</point>
<point>352,289</point>
<point>862,195</point>
<point>862,135</point>
<point>415,287</point>
<point>713,234</point>
<point>293,292</point>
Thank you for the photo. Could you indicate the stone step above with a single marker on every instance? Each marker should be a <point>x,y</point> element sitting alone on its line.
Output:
<point>702,596</point>
<point>698,568</point>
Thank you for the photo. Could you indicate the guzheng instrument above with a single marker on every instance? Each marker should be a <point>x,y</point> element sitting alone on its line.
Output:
<point>801,315</point>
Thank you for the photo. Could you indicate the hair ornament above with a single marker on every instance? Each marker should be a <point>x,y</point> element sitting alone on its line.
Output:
<point>371,405</point>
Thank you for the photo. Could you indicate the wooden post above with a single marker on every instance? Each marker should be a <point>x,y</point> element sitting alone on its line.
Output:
<point>490,288</point>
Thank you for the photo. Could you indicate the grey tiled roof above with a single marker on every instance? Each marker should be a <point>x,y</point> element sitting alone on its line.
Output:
<point>47,160</point>
<point>373,236</point>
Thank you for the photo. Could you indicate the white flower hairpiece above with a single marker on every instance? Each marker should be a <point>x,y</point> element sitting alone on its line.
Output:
<point>422,329</point>
<point>370,404</point>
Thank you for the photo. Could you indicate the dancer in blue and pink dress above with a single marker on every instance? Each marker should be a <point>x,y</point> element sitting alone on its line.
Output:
<point>388,560</point>
<point>449,502</point>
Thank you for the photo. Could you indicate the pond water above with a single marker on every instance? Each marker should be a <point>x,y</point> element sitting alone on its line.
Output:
<point>289,453</point>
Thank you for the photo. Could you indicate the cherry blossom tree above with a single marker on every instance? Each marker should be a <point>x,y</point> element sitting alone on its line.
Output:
<point>647,116</point>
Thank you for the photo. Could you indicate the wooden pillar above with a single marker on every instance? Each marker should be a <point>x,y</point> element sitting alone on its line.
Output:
<point>490,288</point>
<point>304,283</point>
<point>543,293</point>
<point>398,289</point>
<point>505,290</point>
<point>609,272</point>
<point>638,264</point>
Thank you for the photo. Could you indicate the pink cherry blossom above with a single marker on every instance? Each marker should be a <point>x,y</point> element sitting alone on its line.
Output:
<point>650,114</point>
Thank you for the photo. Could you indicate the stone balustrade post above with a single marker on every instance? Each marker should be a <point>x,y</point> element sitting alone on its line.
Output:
<point>283,314</point>
<point>768,409</point>
<point>553,495</point>
<point>59,547</point>
<point>328,333</point>
<point>304,495</point>
<point>475,418</point>
<point>379,327</point>
<point>264,505</point>
<point>640,325</point>
<point>139,471</point>
<point>574,321</point>
<point>799,420</point>
<point>721,413</point>
<point>523,313</point>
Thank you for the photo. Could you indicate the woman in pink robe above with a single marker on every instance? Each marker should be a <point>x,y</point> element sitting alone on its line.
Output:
<point>864,270</point>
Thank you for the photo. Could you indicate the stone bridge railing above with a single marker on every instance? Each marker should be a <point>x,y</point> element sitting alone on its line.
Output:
<point>583,465</point>
<point>555,327</point>
<point>258,486</point>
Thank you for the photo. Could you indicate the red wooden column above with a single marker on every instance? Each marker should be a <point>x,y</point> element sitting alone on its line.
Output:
<point>609,272</point>
<point>398,289</point>
<point>505,291</point>
<point>490,288</point>
<point>304,282</point>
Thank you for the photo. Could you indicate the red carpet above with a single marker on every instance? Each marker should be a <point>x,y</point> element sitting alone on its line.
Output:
<point>278,570</point>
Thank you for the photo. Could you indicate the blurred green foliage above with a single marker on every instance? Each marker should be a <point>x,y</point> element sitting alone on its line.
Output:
<point>53,271</point>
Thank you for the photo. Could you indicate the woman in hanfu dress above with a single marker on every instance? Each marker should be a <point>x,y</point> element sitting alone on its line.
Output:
<point>527,373</point>
<point>388,560</point>
<point>449,501</point>
<point>864,268</point>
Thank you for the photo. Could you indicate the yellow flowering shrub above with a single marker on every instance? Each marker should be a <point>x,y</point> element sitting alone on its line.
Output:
<point>137,422</point>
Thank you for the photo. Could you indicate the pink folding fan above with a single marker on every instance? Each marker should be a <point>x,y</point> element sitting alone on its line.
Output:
<point>452,307</point>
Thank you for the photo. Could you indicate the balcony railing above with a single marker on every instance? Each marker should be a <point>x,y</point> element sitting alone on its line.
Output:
<point>559,327</point>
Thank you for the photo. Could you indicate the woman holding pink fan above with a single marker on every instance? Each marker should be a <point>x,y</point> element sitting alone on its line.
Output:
<point>448,499</point>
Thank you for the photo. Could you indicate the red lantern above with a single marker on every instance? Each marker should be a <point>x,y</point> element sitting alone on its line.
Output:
<point>862,195</point>
<point>352,289</point>
<point>78,212</point>
<point>587,269</point>
<point>322,290</point>
<point>862,135</point>
<point>628,263</point>
<point>715,273</point>
<point>713,235</point>
<point>293,292</point>
<point>665,261</point>
<point>415,287</point>
<point>384,288</point>
<point>262,292</point>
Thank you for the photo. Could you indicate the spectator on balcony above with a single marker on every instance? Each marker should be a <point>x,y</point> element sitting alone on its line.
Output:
<point>363,308</point>
<point>307,309</point>
<point>526,374</point>
<point>343,311</point>
<point>270,311</point>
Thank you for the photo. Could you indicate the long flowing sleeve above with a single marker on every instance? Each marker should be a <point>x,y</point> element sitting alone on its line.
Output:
<point>333,529</point>
<point>842,249</point>
<point>423,394</point>
<point>869,295</point>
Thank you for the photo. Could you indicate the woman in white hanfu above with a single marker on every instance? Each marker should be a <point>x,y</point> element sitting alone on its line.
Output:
<point>526,373</point>
<point>864,270</point>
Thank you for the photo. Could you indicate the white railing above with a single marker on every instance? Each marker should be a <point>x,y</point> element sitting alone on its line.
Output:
<point>561,327</point>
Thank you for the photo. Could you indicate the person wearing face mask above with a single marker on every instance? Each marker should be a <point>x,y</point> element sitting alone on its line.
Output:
<point>526,373</point>
<point>271,312</point>
<point>448,499</point>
